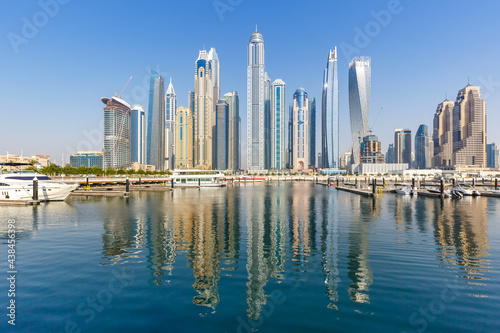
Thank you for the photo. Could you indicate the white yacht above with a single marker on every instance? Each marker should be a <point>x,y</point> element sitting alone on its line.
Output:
<point>19,186</point>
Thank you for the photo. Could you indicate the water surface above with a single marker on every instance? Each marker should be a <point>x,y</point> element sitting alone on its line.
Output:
<point>284,257</point>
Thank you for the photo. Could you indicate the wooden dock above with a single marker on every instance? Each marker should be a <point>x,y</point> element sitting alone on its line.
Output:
<point>19,202</point>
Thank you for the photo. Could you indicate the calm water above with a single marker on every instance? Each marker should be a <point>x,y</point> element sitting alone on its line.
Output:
<point>288,257</point>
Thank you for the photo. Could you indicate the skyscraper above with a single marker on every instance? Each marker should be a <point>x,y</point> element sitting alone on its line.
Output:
<point>469,128</point>
<point>138,135</point>
<point>206,95</point>
<point>183,138</point>
<point>278,125</point>
<point>371,150</point>
<point>117,116</point>
<point>492,155</point>
<point>170,107</point>
<point>359,102</point>
<point>330,114</point>
<point>389,157</point>
<point>300,130</point>
<point>256,76</point>
<point>233,148</point>
<point>402,146</point>
<point>424,148</point>
<point>443,135</point>
<point>267,122</point>
<point>312,132</point>
<point>221,135</point>
<point>156,122</point>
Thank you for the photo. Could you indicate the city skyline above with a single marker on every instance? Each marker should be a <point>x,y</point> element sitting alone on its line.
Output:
<point>232,49</point>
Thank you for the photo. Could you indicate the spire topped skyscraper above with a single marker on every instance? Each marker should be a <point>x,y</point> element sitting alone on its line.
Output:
<point>256,77</point>
<point>359,102</point>
<point>170,107</point>
<point>330,114</point>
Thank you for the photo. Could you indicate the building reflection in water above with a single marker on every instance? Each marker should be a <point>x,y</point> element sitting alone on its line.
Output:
<point>460,232</point>
<point>330,246</point>
<point>300,225</point>
<point>266,228</point>
<point>359,271</point>
<point>121,235</point>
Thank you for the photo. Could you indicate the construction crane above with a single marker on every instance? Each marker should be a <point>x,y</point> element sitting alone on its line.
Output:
<point>119,96</point>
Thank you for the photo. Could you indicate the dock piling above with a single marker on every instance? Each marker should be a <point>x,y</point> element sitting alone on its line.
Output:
<point>496,184</point>
<point>35,189</point>
<point>127,185</point>
<point>441,188</point>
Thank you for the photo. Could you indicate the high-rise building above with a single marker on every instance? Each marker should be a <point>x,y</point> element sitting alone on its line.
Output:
<point>138,135</point>
<point>117,114</point>
<point>206,95</point>
<point>233,146</point>
<point>389,157</point>
<point>156,122</point>
<point>359,102</point>
<point>424,148</point>
<point>278,125</point>
<point>492,155</point>
<point>289,153</point>
<point>312,133</point>
<point>267,122</point>
<point>402,146</point>
<point>183,138</point>
<point>221,135</point>
<point>170,107</point>
<point>330,114</point>
<point>87,158</point>
<point>300,122</point>
<point>371,150</point>
<point>443,135</point>
<point>469,128</point>
<point>256,77</point>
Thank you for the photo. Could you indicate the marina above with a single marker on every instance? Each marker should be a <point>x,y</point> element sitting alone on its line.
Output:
<point>257,257</point>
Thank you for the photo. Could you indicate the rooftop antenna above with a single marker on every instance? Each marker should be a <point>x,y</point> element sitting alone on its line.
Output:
<point>468,82</point>
<point>256,28</point>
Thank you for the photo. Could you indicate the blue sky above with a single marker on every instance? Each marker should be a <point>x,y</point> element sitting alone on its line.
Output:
<point>53,76</point>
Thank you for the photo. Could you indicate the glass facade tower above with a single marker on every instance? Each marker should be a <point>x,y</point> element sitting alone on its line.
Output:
<point>233,148</point>
<point>359,102</point>
<point>278,125</point>
<point>424,148</point>
<point>138,135</point>
<point>156,122</point>
<point>330,114</point>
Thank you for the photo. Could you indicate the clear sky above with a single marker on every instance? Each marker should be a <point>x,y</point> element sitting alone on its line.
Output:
<point>55,67</point>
